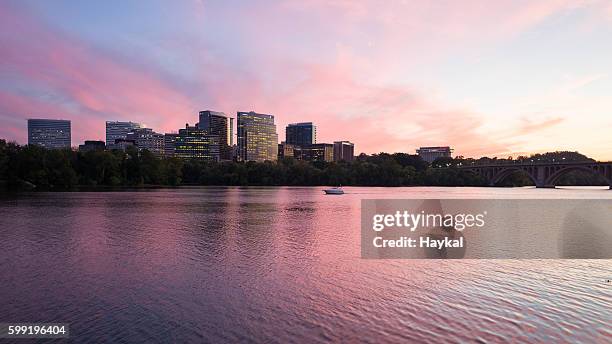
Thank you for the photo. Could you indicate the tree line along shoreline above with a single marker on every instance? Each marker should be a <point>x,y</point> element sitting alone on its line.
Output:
<point>32,167</point>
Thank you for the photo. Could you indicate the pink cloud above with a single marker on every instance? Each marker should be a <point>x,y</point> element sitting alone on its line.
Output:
<point>97,85</point>
<point>97,88</point>
<point>346,90</point>
<point>15,109</point>
<point>529,126</point>
<point>377,118</point>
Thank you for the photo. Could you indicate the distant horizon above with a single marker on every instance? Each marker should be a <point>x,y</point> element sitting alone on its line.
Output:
<point>504,79</point>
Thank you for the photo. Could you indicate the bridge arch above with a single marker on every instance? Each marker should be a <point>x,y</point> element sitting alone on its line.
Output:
<point>554,177</point>
<point>544,175</point>
<point>507,171</point>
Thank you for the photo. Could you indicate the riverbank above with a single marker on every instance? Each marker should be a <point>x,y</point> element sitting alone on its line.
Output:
<point>128,188</point>
<point>35,168</point>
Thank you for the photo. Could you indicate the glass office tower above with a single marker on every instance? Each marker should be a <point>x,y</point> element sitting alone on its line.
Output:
<point>217,123</point>
<point>116,130</point>
<point>146,138</point>
<point>49,133</point>
<point>301,134</point>
<point>257,137</point>
<point>196,143</point>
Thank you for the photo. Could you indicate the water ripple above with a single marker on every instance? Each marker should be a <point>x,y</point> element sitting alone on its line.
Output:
<point>273,265</point>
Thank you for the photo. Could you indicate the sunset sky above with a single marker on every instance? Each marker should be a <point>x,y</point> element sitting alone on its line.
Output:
<point>493,78</point>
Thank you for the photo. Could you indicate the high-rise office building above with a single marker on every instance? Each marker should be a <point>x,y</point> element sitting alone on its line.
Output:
<point>169,144</point>
<point>118,130</point>
<point>196,143</point>
<point>430,154</point>
<point>145,138</point>
<point>301,134</point>
<point>257,137</point>
<point>344,150</point>
<point>286,150</point>
<point>49,133</point>
<point>217,123</point>
<point>318,152</point>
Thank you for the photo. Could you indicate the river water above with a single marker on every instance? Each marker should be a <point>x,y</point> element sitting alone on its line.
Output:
<point>275,265</point>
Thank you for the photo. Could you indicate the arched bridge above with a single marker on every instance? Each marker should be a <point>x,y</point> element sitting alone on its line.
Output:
<point>544,175</point>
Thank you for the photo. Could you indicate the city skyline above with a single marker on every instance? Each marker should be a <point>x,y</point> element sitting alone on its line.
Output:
<point>512,78</point>
<point>211,138</point>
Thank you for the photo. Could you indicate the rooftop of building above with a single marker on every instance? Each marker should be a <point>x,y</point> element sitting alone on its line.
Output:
<point>48,119</point>
<point>253,113</point>
<point>301,124</point>
<point>435,148</point>
<point>214,113</point>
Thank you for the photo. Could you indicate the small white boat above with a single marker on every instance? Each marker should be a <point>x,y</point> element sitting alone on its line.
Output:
<point>334,191</point>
